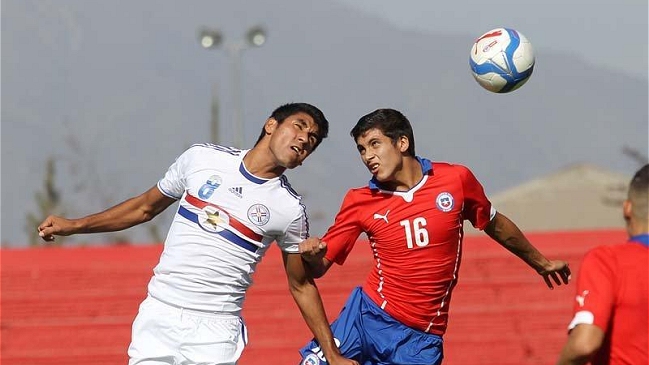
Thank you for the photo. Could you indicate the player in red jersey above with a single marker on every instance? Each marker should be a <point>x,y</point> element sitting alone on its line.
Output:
<point>610,310</point>
<point>413,213</point>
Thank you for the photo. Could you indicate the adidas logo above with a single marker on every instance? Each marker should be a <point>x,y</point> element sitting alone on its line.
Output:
<point>237,190</point>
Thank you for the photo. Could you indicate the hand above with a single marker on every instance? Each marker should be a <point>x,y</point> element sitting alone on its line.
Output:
<point>54,225</point>
<point>558,271</point>
<point>340,360</point>
<point>313,249</point>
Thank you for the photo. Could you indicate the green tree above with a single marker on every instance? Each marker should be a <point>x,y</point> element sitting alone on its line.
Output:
<point>48,201</point>
<point>635,155</point>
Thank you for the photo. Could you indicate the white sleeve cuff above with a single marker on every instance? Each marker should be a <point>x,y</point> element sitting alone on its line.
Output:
<point>581,317</point>
<point>492,213</point>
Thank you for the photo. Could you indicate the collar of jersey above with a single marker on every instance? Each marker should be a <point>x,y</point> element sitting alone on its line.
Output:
<point>249,176</point>
<point>641,238</point>
<point>426,167</point>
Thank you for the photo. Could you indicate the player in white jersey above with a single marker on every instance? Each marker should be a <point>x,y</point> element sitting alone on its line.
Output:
<point>232,205</point>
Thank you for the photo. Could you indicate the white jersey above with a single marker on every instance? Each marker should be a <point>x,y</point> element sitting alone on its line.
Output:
<point>226,220</point>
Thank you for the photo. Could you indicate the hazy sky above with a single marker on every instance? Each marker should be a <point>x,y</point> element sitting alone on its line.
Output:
<point>603,32</point>
<point>114,91</point>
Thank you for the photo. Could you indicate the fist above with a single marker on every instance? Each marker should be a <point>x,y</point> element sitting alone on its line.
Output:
<point>54,225</point>
<point>313,249</point>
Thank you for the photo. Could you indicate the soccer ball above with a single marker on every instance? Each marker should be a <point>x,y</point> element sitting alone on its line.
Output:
<point>502,60</point>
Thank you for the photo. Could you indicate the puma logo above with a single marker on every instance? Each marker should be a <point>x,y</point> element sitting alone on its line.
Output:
<point>582,298</point>
<point>380,216</point>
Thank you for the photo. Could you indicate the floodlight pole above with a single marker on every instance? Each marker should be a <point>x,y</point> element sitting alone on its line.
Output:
<point>211,39</point>
<point>234,51</point>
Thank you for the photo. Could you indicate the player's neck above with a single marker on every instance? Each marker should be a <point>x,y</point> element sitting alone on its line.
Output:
<point>261,164</point>
<point>407,177</point>
<point>635,228</point>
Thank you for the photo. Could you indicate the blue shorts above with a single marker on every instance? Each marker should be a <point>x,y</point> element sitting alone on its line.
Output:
<point>365,333</point>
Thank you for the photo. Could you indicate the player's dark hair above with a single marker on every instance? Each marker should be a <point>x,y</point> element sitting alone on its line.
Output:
<point>280,114</point>
<point>639,193</point>
<point>392,123</point>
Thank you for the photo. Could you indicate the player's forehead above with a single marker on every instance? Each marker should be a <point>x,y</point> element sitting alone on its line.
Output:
<point>371,134</point>
<point>304,119</point>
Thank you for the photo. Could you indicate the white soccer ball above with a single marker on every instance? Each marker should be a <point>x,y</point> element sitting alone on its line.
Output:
<point>502,60</point>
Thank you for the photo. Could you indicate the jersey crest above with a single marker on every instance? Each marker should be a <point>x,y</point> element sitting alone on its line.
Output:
<point>445,202</point>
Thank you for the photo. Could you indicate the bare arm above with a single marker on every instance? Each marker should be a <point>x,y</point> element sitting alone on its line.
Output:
<point>306,295</point>
<point>127,214</point>
<point>507,234</point>
<point>583,343</point>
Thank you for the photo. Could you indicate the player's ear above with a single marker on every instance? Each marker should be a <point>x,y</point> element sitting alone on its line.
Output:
<point>403,143</point>
<point>627,210</point>
<point>270,125</point>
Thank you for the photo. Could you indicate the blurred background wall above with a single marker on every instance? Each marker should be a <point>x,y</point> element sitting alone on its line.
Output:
<point>76,305</point>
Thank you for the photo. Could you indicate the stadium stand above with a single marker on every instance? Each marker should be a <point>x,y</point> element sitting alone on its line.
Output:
<point>75,305</point>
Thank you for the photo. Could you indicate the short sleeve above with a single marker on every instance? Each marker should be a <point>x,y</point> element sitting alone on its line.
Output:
<point>477,207</point>
<point>297,231</point>
<point>342,235</point>
<point>174,183</point>
<point>595,295</point>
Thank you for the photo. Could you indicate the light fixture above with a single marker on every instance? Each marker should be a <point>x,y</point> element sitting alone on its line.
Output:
<point>209,38</point>
<point>256,36</point>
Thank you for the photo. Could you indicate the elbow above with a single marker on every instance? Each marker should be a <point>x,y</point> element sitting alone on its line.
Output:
<point>147,216</point>
<point>584,350</point>
<point>317,273</point>
<point>316,270</point>
<point>147,213</point>
<point>581,350</point>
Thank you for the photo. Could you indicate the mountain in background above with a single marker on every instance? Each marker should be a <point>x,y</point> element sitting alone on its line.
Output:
<point>115,91</point>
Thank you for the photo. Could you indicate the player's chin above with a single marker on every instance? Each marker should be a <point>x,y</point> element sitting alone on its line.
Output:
<point>296,161</point>
<point>380,177</point>
<point>292,164</point>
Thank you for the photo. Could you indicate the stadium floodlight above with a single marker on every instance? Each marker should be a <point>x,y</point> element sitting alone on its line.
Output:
<point>256,36</point>
<point>210,38</point>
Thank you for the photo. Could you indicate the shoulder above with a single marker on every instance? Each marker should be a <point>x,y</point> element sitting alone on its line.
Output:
<point>617,251</point>
<point>360,197</point>
<point>604,255</point>
<point>598,252</point>
<point>287,189</point>
<point>209,148</point>
<point>284,200</point>
<point>611,250</point>
<point>206,153</point>
<point>361,192</point>
<point>460,171</point>
<point>450,168</point>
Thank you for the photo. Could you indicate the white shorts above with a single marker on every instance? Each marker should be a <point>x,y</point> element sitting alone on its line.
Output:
<point>164,334</point>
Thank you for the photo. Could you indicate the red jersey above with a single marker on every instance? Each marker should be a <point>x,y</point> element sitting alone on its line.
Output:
<point>612,292</point>
<point>416,239</point>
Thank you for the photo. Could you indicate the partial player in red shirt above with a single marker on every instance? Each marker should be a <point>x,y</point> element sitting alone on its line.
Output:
<point>610,309</point>
<point>412,212</point>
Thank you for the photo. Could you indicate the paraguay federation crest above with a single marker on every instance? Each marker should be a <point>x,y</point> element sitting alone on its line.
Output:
<point>445,202</point>
<point>258,214</point>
